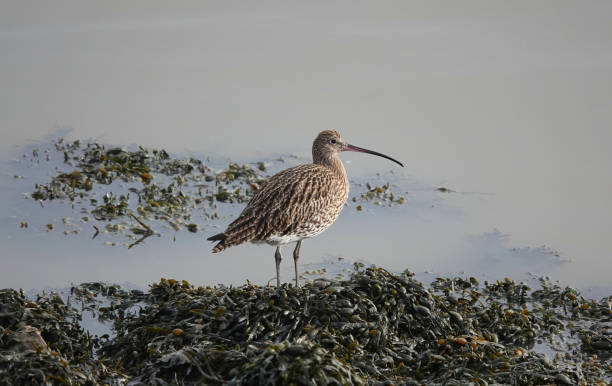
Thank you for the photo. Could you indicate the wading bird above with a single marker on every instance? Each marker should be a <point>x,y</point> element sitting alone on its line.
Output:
<point>297,203</point>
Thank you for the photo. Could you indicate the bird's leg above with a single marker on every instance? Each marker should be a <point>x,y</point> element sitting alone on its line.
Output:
<point>278,258</point>
<point>296,256</point>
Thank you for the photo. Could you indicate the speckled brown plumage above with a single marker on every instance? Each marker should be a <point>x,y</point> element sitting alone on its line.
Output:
<point>297,203</point>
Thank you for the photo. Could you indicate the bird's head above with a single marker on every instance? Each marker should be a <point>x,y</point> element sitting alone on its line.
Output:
<point>329,143</point>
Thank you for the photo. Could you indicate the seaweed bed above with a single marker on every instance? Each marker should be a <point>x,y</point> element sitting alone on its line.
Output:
<point>139,193</point>
<point>374,328</point>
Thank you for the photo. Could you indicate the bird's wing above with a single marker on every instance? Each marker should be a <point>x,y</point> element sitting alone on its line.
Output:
<point>290,198</point>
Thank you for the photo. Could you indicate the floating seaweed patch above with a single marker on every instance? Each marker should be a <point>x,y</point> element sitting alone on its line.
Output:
<point>379,195</point>
<point>113,206</point>
<point>165,191</point>
<point>159,188</point>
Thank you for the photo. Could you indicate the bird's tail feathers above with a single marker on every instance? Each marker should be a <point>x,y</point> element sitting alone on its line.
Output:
<point>235,234</point>
<point>217,237</point>
<point>221,237</point>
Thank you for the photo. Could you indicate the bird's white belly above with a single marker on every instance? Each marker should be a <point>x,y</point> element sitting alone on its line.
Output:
<point>312,227</point>
<point>278,239</point>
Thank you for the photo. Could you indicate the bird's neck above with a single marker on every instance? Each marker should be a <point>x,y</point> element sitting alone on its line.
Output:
<point>334,163</point>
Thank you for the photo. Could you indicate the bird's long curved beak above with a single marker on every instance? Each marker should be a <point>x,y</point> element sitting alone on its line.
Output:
<point>362,150</point>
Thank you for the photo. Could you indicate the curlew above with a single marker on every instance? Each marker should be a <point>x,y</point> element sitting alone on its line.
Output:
<point>297,203</point>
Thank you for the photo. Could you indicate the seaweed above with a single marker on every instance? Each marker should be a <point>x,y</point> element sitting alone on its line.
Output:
<point>379,195</point>
<point>117,184</point>
<point>376,327</point>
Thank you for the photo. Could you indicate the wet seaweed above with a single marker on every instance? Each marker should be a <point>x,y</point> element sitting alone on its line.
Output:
<point>42,342</point>
<point>369,327</point>
<point>373,328</point>
<point>379,195</point>
<point>113,184</point>
<point>159,188</point>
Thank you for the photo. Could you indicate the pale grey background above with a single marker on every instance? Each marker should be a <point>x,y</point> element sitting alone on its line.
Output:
<point>510,98</point>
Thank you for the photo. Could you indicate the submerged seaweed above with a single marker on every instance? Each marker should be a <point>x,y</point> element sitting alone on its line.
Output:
<point>116,187</point>
<point>374,328</point>
<point>119,185</point>
<point>379,195</point>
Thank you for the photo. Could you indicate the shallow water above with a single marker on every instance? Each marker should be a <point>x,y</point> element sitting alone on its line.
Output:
<point>433,233</point>
<point>509,106</point>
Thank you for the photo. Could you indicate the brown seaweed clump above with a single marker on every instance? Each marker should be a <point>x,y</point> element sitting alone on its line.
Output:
<point>374,328</point>
<point>143,192</point>
<point>379,195</point>
<point>147,186</point>
<point>42,343</point>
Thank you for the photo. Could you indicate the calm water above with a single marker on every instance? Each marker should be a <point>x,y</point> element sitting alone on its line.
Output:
<point>510,106</point>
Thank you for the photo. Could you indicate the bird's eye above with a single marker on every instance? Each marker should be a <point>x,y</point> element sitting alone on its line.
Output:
<point>332,141</point>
